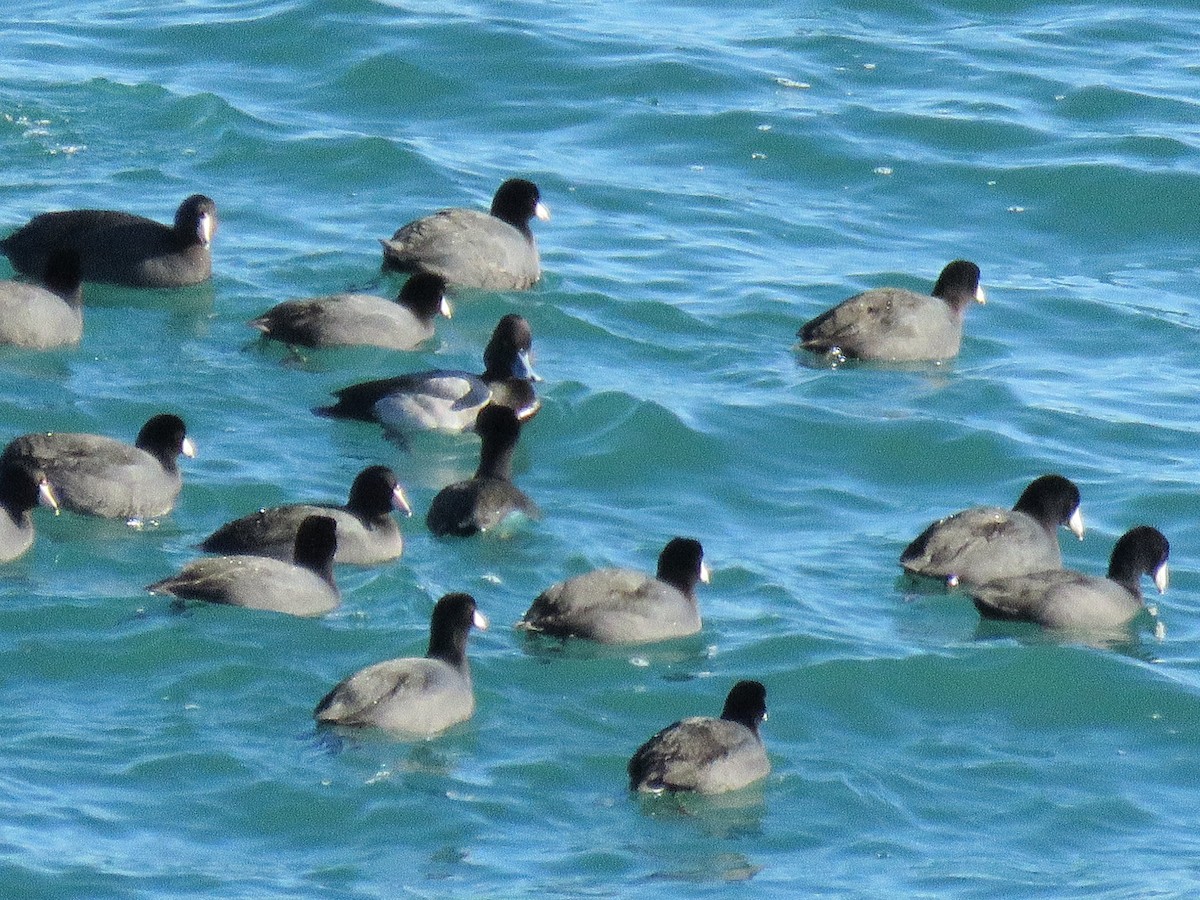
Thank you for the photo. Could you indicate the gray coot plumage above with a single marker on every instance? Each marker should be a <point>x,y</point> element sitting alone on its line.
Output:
<point>895,324</point>
<point>414,696</point>
<point>366,532</point>
<point>987,542</point>
<point>121,248</point>
<point>344,320</point>
<point>45,315</point>
<point>22,487</point>
<point>617,606</point>
<point>304,587</point>
<point>493,251</point>
<point>100,476</point>
<point>1065,599</point>
<point>488,498</point>
<point>450,400</point>
<point>706,754</point>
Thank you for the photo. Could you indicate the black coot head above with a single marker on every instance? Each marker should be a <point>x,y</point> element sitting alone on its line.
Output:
<point>517,201</point>
<point>747,704</point>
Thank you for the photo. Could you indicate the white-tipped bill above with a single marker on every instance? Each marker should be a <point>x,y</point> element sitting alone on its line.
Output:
<point>1075,523</point>
<point>523,367</point>
<point>1161,578</point>
<point>205,228</point>
<point>400,500</point>
<point>46,495</point>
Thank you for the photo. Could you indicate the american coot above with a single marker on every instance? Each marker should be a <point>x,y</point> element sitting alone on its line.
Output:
<point>450,400</point>
<point>366,532</point>
<point>897,324</point>
<point>495,251</point>
<point>99,476</point>
<point>484,501</point>
<point>47,315</point>
<point>1062,598</point>
<point>618,606</point>
<point>986,542</point>
<point>705,754</point>
<point>22,487</point>
<point>303,588</point>
<point>415,696</point>
<point>343,320</point>
<point>119,248</point>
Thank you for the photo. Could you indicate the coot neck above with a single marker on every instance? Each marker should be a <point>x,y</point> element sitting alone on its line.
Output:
<point>167,458</point>
<point>1126,575</point>
<point>495,458</point>
<point>684,582</point>
<point>451,649</point>
<point>319,561</point>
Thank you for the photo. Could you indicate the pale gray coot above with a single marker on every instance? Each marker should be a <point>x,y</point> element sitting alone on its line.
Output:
<point>22,487</point>
<point>617,606</point>
<point>343,320</point>
<point>986,542</point>
<point>450,400</point>
<point>493,251</point>
<point>706,754</point>
<point>100,476</point>
<point>120,248</point>
<point>366,532</point>
<point>45,315</point>
<point>484,501</point>
<point>304,587</point>
<point>897,324</point>
<point>1063,598</point>
<point>414,696</point>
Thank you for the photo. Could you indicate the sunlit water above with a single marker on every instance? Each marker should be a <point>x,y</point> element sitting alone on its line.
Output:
<point>717,176</point>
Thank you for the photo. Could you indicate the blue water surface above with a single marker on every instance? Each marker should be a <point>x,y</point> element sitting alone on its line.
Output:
<point>717,176</point>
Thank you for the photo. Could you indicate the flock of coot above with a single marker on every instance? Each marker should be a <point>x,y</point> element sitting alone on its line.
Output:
<point>281,559</point>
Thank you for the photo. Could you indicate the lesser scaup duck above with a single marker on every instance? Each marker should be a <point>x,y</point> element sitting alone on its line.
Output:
<point>50,314</point>
<point>414,696</point>
<point>494,251</point>
<point>987,542</point>
<point>704,754</point>
<point>22,487</point>
<point>344,320</point>
<point>366,532</point>
<point>301,588</point>
<point>484,501</point>
<point>623,606</point>
<point>1066,599</point>
<point>895,324</point>
<point>100,476</point>
<point>120,248</point>
<point>445,399</point>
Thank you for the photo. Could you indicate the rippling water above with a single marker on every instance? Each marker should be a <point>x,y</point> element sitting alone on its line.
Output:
<point>717,177</point>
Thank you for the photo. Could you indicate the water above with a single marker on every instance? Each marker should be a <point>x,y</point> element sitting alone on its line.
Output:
<point>717,177</point>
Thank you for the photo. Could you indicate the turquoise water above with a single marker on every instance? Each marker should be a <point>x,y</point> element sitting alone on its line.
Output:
<point>717,176</point>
